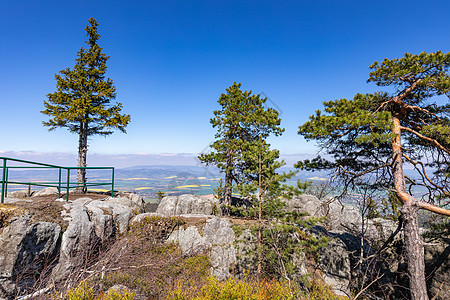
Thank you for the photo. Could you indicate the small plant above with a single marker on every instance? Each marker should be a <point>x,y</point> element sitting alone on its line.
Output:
<point>85,292</point>
<point>215,211</point>
<point>160,195</point>
<point>81,292</point>
<point>251,290</point>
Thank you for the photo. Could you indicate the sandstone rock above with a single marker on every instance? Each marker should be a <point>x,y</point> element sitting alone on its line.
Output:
<point>220,236</point>
<point>140,217</point>
<point>438,268</point>
<point>117,288</point>
<point>136,199</point>
<point>341,217</point>
<point>217,238</point>
<point>14,200</point>
<point>335,263</point>
<point>381,229</point>
<point>46,192</point>
<point>91,223</point>
<point>190,240</point>
<point>102,219</point>
<point>305,203</point>
<point>246,259</point>
<point>150,207</point>
<point>26,249</point>
<point>121,209</point>
<point>19,194</point>
<point>188,204</point>
<point>78,240</point>
<point>7,289</point>
<point>10,240</point>
<point>137,206</point>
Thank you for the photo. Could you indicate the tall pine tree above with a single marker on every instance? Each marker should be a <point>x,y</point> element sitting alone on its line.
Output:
<point>241,122</point>
<point>381,133</point>
<point>82,99</point>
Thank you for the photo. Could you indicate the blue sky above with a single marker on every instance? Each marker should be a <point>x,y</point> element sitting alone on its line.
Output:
<point>171,60</point>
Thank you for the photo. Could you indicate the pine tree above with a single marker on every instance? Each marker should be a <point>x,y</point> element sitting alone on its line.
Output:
<point>82,99</point>
<point>241,121</point>
<point>379,133</point>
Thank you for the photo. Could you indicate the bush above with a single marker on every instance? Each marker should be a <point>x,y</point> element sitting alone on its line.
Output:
<point>85,292</point>
<point>251,290</point>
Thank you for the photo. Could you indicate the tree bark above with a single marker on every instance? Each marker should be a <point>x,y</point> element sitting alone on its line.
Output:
<point>414,252</point>
<point>412,239</point>
<point>82,154</point>
<point>227,191</point>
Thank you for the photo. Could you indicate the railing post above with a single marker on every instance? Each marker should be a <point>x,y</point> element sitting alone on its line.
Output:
<point>84,183</point>
<point>6,184</point>
<point>68,182</point>
<point>112,184</point>
<point>3,180</point>
<point>59,184</point>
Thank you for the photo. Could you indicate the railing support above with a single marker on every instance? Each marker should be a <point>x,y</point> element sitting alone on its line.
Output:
<point>3,180</point>
<point>6,182</point>
<point>112,184</point>
<point>59,184</point>
<point>68,183</point>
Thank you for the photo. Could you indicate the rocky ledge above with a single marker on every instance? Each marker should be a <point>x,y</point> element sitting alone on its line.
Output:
<point>46,241</point>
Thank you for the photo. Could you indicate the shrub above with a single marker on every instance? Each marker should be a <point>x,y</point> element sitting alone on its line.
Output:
<point>85,292</point>
<point>251,290</point>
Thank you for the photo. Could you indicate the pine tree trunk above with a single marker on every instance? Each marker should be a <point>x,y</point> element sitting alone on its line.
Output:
<point>227,191</point>
<point>414,253</point>
<point>82,154</point>
<point>412,239</point>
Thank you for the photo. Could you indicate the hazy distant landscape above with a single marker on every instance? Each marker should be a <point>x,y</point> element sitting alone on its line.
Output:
<point>146,180</point>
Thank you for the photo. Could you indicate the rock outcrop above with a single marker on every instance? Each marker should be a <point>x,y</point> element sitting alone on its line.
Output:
<point>216,238</point>
<point>340,218</point>
<point>31,247</point>
<point>188,204</point>
<point>39,248</point>
<point>25,248</point>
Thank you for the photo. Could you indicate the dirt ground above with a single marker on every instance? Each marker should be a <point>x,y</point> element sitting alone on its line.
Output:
<point>41,208</point>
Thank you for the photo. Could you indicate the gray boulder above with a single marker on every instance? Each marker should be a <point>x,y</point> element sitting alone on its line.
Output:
<point>438,267</point>
<point>341,217</point>
<point>137,199</point>
<point>188,204</point>
<point>46,192</point>
<point>140,217</point>
<point>305,203</point>
<point>91,223</point>
<point>78,240</point>
<point>217,239</point>
<point>19,194</point>
<point>190,240</point>
<point>26,249</point>
<point>334,261</point>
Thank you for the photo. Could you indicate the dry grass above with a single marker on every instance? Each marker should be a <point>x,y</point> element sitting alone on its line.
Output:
<point>142,261</point>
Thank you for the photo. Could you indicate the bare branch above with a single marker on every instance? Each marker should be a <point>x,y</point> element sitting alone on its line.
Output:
<point>424,173</point>
<point>433,208</point>
<point>398,99</point>
<point>432,141</point>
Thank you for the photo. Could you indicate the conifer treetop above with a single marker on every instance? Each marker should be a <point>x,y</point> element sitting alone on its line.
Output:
<point>83,94</point>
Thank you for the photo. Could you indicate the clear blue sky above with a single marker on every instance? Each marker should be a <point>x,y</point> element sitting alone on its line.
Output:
<point>171,60</point>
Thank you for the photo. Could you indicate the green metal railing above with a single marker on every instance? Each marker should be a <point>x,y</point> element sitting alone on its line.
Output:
<point>59,184</point>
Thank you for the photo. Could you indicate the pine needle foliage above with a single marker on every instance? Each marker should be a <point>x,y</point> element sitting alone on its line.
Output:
<point>82,101</point>
<point>379,133</point>
<point>241,122</point>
